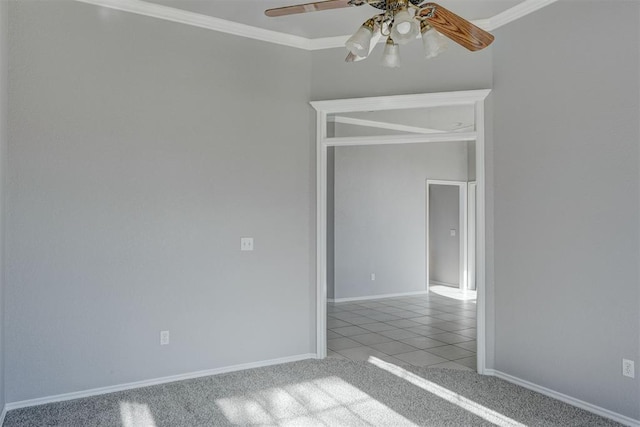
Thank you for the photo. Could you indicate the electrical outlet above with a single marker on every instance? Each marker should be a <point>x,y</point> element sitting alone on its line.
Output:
<point>373,276</point>
<point>628,369</point>
<point>164,337</point>
<point>246,243</point>
<point>452,232</point>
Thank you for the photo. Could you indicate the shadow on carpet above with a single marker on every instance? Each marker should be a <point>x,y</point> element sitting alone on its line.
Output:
<point>317,393</point>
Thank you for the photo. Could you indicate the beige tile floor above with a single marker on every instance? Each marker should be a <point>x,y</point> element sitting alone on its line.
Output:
<point>426,330</point>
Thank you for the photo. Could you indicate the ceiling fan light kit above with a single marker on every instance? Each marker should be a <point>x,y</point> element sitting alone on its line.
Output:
<point>401,22</point>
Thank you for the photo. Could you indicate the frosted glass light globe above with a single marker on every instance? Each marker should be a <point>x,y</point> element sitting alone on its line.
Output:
<point>359,43</point>
<point>433,43</point>
<point>391,55</point>
<point>405,27</point>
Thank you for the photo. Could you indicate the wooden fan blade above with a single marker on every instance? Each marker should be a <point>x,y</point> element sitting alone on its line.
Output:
<point>307,7</point>
<point>456,28</point>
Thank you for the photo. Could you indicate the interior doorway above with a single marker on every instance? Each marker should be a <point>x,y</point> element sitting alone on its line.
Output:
<point>447,263</point>
<point>435,110</point>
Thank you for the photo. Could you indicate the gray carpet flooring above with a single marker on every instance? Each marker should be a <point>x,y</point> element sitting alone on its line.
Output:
<point>317,392</point>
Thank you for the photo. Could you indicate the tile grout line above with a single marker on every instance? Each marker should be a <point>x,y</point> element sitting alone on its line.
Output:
<point>460,313</point>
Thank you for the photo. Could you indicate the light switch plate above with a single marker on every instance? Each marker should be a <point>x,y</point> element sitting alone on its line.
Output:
<point>452,232</point>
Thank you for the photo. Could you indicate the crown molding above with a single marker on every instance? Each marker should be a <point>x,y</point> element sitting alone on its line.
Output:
<point>516,12</point>
<point>181,16</point>
<point>329,42</point>
<point>485,24</point>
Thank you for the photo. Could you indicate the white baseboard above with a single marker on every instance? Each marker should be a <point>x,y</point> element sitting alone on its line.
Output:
<point>3,415</point>
<point>622,419</point>
<point>435,282</point>
<point>145,383</point>
<point>403,294</point>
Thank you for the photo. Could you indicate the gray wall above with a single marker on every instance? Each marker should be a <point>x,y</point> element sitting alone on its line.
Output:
<point>567,200</point>
<point>456,69</point>
<point>4,28</point>
<point>444,249</point>
<point>380,214</point>
<point>140,152</point>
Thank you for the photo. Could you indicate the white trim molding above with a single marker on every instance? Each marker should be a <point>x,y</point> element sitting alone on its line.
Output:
<point>200,20</point>
<point>401,139</point>
<point>3,415</point>
<point>622,419</point>
<point>381,125</point>
<point>516,12</point>
<point>401,102</point>
<point>322,43</point>
<point>370,297</point>
<point>473,98</point>
<point>146,383</point>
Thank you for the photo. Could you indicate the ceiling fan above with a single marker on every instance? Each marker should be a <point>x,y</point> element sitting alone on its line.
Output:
<point>401,22</point>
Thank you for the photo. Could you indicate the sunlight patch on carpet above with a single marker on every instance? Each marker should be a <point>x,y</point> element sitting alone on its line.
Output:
<point>446,394</point>
<point>325,401</point>
<point>136,415</point>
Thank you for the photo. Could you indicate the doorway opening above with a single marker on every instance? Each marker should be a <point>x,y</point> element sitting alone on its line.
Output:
<point>447,234</point>
<point>337,123</point>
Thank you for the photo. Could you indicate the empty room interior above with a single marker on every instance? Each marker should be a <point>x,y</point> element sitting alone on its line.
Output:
<point>390,226</point>
<point>347,212</point>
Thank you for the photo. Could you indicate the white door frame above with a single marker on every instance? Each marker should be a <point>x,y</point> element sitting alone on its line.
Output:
<point>323,109</point>
<point>471,235</point>
<point>463,265</point>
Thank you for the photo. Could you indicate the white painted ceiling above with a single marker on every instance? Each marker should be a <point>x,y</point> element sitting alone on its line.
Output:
<point>318,24</point>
